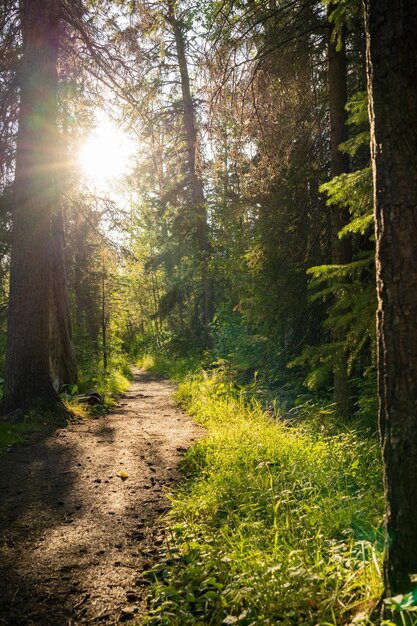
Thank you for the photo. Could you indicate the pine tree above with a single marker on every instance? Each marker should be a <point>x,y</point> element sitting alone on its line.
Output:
<point>35,197</point>
<point>392,83</point>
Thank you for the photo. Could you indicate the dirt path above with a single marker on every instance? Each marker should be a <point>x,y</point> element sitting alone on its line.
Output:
<point>74,535</point>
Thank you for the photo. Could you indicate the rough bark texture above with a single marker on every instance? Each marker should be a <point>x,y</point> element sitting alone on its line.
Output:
<point>339,164</point>
<point>197,190</point>
<point>62,357</point>
<point>27,373</point>
<point>63,361</point>
<point>392,82</point>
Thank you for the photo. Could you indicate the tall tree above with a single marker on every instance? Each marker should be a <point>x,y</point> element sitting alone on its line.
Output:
<point>197,189</point>
<point>62,355</point>
<point>261,64</point>
<point>339,164</point>
<point>28,373</point>
<point>392,85</point>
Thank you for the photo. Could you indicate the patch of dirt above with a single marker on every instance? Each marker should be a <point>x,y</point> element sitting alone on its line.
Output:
<point>80,511</point>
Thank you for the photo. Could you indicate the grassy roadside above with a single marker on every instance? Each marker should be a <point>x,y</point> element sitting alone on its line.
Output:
<point>275,523</point>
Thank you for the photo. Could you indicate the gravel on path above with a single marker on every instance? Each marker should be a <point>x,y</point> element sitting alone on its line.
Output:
<point>80,511</point>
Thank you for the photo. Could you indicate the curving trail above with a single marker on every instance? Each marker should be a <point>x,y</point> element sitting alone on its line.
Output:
<point>74,535</point>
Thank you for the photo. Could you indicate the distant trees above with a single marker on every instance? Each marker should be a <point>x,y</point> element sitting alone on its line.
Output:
<point>236,138</point>
<point>266,87</point>
<point>195,173</point>
<point>392,76</point>
<point>265,101</point>
<point>170,179</point>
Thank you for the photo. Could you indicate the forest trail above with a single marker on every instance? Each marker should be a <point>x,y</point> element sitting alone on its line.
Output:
<point>74,534</point>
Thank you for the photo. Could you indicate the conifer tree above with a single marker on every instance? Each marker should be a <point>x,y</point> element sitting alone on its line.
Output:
<point>392,84</point>
<point>339,164</point>
<point>35,197</point>
<point>195,173</point>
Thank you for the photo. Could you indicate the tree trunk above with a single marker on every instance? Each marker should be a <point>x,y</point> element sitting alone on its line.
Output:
<point>63,361</point>
<point>27,371</point>
<point>104,318</point>
<point>62,358</point>
<point>197,190</point>
<point>392,84</point>
<point>339,164</point>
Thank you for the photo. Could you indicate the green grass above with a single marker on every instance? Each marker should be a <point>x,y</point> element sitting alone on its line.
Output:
<point>17,427</point>
<point>108,383</point>
<point>11,434</point>
<point>175,369</point>
<point>275,523</point>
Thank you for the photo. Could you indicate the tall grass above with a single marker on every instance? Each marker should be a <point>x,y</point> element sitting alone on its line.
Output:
<point>276,522</point>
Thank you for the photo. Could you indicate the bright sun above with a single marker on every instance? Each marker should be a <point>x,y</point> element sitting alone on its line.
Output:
<point>106,154</point>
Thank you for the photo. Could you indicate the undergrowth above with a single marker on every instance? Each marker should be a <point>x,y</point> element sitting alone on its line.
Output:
<point>92,377</point>
<point>277,522</point>
<point>16,427</point>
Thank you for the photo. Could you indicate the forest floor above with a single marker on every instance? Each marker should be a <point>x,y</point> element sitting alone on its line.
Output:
<point>80,511</point>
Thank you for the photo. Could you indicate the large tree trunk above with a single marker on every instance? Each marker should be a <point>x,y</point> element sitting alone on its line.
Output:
<point>27,372</point>
<point>62,356</point>
<point>339,164</point>
<point>392,84</point>
<point>197,189</point>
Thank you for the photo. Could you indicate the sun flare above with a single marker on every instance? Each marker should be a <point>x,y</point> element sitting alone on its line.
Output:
<point>106,154</point>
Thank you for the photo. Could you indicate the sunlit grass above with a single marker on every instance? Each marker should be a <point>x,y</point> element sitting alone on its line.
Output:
<point>113,383</point>
<point>275,523</point>
<point>77,410</point>
<point>175,369</point>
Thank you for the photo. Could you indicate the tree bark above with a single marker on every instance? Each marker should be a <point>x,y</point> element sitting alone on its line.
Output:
<point>197,189</point>
<point>392,84</point>
<point>62,357</point>
<point>339,164</point>
<point>104,317</point>
<point>63,361</point>
<point>27,372</point>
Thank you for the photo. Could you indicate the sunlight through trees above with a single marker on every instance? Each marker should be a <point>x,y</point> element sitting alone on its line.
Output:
<point>200,181</point>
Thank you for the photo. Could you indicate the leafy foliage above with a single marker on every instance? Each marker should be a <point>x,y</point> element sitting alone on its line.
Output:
<point>348,290</point>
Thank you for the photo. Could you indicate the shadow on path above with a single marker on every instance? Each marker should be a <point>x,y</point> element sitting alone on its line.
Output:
<point>74,531</point>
